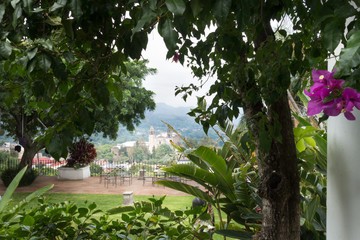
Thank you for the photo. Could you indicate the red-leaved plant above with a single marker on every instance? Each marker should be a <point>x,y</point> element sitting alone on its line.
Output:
<point>81,153</point>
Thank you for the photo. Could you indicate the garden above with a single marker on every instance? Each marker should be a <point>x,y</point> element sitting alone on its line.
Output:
<point>289,69</point>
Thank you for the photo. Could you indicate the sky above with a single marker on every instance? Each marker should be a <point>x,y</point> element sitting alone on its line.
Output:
<point>169,75</point>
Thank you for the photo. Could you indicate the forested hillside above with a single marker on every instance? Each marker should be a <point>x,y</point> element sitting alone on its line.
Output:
<point>175,116</point>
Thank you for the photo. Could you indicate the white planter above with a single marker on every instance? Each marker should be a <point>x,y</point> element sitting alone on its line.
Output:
<point>67,173</point>
<point>343,182</point>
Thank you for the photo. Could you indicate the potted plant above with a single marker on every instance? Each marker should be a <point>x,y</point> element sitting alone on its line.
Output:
<point>81,154</point>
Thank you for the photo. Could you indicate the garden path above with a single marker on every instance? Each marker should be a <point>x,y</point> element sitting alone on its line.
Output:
<point>93,185</point>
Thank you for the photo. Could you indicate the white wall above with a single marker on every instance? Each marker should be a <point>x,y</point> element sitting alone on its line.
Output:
<point>343,188</point>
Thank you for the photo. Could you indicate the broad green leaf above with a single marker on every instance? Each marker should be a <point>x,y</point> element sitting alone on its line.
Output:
<point>321,143</point>
<point>16,15</point>
<point>310,141</point>
<point>183,187</point>
<point>83,212</point>
<point>5,49</point>
<point>57,5</point>
<point>201,176</point>
<point>311,208</point>
<point>75,6</point>
<point>345,11</point>
<point>44,61</point>
<point>31,53</point>
<point>350,55</point>
<point>38,193</point>
<point>10,189</point>
<point>147,15</point>
<point>219,166</point>
<point>301,132</point>
<point>176,6</point>
<point>169,34</point>
<point>2,11</point>
<point>196,7</point>
<point>28,5</point>
<point>14,3</point>
<point>221,9</point>
<point>300,145</point>
<point>28,221</point>
<point>333,33</point>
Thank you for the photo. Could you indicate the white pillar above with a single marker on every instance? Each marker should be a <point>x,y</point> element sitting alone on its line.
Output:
<point>343,181</point>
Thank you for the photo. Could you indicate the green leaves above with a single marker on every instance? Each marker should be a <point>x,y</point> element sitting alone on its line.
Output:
<point>58,5</point>
<point>44,61</point>
<point>332,34</point>
<point>5,49</point>
<point>76,8</point>
<point>350,55</point>
<point>221,10</point>
<point>170,36</point>
<point>2,11</point>
<point>176,6</point>
<point>10,189</point>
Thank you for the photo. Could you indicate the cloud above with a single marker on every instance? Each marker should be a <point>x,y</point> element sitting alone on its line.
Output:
<point>169,75</point>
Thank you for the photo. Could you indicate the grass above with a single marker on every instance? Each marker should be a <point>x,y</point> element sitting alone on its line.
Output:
<point>105,202</point>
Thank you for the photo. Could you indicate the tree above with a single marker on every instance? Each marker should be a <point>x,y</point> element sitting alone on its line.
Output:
<point>60,63</point>
<point>163,150</point>
<point>253,69</point>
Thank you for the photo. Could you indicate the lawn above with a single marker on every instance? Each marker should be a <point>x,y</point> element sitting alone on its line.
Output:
<point>108,201</point>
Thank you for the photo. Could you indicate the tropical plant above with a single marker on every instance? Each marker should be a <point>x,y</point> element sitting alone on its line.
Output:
<point>81,154</point>
<point>9,214</point>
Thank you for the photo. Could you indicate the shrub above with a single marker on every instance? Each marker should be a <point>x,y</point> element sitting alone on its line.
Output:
<point>9,174</point>
<point>95,169</point>
<point>82,153</point>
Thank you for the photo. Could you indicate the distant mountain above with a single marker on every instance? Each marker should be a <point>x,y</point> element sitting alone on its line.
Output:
<point>175,116</point>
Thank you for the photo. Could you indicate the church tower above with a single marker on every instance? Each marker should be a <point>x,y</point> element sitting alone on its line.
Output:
<point>152,139</point>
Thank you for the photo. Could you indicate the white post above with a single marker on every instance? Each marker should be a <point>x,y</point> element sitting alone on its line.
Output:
<point>343,181</point>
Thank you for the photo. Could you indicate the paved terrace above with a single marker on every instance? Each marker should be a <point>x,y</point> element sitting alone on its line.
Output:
<point>93,185</point>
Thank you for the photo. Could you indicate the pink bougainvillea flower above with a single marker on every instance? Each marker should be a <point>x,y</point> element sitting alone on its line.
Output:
<point>352,99</point>
<point>316,104</point>
<point>334,84</point>
<point>323,78</point>
<point>336,108</point>
<point>176,57</point>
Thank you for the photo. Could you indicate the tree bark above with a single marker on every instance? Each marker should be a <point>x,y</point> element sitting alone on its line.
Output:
<point>279,181</point>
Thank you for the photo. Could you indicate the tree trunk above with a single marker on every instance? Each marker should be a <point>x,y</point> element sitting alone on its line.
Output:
<point>279,181</point>
<point>28,156</point>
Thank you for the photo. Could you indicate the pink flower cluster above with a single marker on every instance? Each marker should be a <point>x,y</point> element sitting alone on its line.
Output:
<point>328,95</point>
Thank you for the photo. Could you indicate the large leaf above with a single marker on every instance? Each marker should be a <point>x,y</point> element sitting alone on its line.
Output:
<point>333,33</point>
<point>11,188</point>
<point>177,7</point>
<point>76,10</point>
<point>201,176</point>
<point>2,11</point>
<point>183,187</point>
<point>5,49</point>
<point>218,166</point>
<point>221,9</point>
<point>311,208</point>
<point>350,56</point>
<point>169,34</point>
<point>147,16</point>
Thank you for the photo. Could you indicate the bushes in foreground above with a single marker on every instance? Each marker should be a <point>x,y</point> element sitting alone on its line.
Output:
<point>144,220</point>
